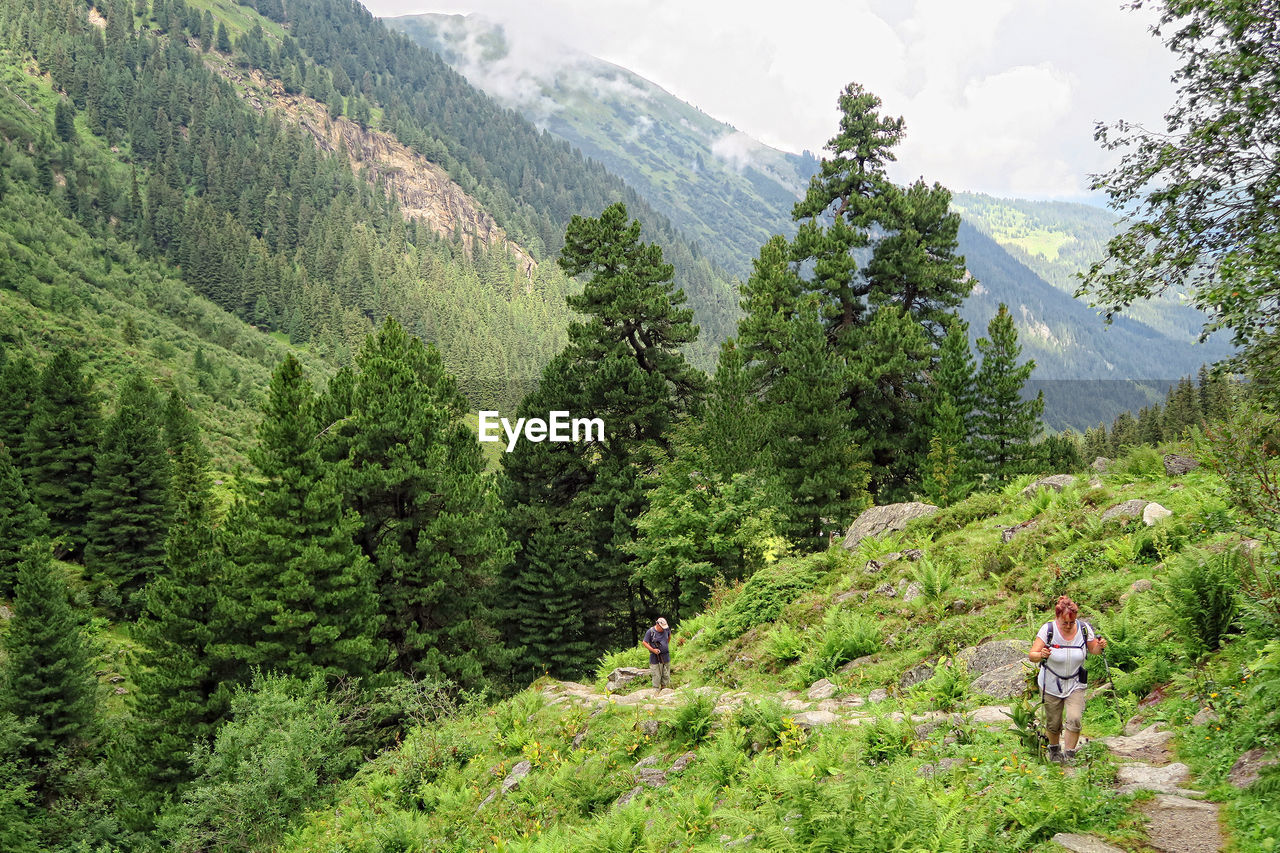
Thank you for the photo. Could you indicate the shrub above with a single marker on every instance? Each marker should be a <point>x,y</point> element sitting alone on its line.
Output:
<point>286,741</point>
<point>949,688</point>
<point>1140,462</point>
<point>761,723</point>
<point>767,592</point>
<point>936,580</point>
<point>637,656</point>
<point>845,636</point>
<point>785,643</point>
<point>1200,592</point>
<point>884,740</point>
<point>693,720</point>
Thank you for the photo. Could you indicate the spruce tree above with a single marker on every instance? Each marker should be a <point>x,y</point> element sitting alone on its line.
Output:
<point>306,598</point>
<point>21,521</point>
<point>814,450</point>
<point>944,478</point>
<point>19,386</point>
<point>129,500</point>
<point>59,447</point>
<point>734,429</point>
<point>624,366</point>
<point>47,680</point>
<point>430,520</point>
<point>182,685</point>
<point>1004,423</point>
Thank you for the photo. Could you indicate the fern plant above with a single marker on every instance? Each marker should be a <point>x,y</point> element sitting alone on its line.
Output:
<point>936,580</point>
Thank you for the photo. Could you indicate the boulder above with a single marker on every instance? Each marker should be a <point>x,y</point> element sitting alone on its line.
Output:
<point>916,675</point>
<point>628,796</point>
<point>1057,482</point>
<point>1249,767</point>
<point>915,555</point>
<point>514,778</point>
<point>993,654</point>
<point>622,676</point>
<point>1150,744</point>
<point>1101,464</point>
<point>651,776</point>
<point>881,519</point>
<point>1153,512</point>
<point>1143,777</point>
<point>682,762</point>
<point>856,664</point>
<point>821,689</point>
<point>877,695</point>
<point>1007,534</point>
<point>1125,511</point>
<point>887,590</point>
<point>1176,466</point>
<point>811,719</point>
<point>650,728</point>
<point>1003,682</point>
<point>1204,716</point>
<point>911,591</point>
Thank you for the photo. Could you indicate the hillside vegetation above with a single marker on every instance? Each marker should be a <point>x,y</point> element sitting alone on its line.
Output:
<point>899,759</point>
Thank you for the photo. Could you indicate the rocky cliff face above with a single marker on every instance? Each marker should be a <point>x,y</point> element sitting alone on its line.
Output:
<point>425,191</point>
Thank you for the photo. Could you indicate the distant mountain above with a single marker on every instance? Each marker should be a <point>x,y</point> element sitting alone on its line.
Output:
<point>730,192</point>
<point>719,186</point>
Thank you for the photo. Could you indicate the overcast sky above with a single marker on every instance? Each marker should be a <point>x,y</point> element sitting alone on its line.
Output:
<point>999,96</point>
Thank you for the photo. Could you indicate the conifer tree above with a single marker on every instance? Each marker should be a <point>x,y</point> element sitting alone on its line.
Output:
<point>1124,433</point>
<point>21,521</point>
<point>59,446</point>
<point>129,500</point>
<point>19,385</point>
<point>624,366</point>
<point>943,481</point>
<point>430,519</point>
<point>306,601</point>
<point>1004,424</point>
<point>812,444</point>
<point>770,301</point>
<point>734,430</point>
<point>182,684</point>
<point>47,680</point>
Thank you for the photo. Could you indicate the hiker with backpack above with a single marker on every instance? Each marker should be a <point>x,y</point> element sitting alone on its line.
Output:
<point>1060,648</point>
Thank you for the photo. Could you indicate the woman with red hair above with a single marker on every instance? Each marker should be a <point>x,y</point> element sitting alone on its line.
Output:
<point>1060,648</point>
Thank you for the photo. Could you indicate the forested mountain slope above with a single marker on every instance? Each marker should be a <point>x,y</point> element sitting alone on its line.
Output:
<point>718,185</point>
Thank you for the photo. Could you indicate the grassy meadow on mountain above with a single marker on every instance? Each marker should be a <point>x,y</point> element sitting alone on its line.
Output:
<point>262,589</point>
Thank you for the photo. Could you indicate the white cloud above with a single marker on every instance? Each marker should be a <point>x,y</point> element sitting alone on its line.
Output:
<point>998,95</point>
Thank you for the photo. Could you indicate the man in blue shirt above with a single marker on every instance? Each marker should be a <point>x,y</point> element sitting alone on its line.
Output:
<point>658,641</point>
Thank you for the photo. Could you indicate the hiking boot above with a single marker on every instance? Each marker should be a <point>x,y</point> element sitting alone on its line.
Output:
<point>1069,756</point>
<point>1055,754</point>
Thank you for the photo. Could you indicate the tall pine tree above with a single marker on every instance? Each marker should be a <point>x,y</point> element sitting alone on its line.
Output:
<point>1004,423</point>
<point>59,446</point>
<point>129,500</point>
<point>306,598</point>
<point>21,521</point>
<point>48,683</point>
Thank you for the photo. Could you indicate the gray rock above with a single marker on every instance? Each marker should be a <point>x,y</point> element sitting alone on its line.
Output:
<point>873,567</point>
<point>958,606</point>
<point>1101,464</point>
<point>1057,482</point>
<point>852,702</point>
<point>517,773</point>
<point>1083,843</point>
<point>993,655</point>
<point>652,776</point>
<point>682,762</point>
<point>1153,512</point>
<point>639,697</point>
<point>822,689</point>
<point>916,675</point>
<point>1249,767</point>
<point>116,679</point>
<point>1176,466</point>
<point>1134,725</point>
<point>990,715</point>
<point>1007,534</point>
<point>1203,716</point>
<point>578,739</point>
<point>811,719</point>
<point>891,557</point>
<point>915,555</point>
<point>881,519</point>
<point>1003,682</point>
<point>646,762</point>
<point>912,591</point>
<point>628,796</point>
<point>1150,744</point>
<point>1125,511</point>
<point>120,691</point>
<point>1141,585</point>
<point>5,613</point>
<point>877,695</point>
<point>856,664</point>
<point>649,728</point>
<point>622,676</point>
<point>887,590</point>
<point>1144,777</point>
<point>493,795</point>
